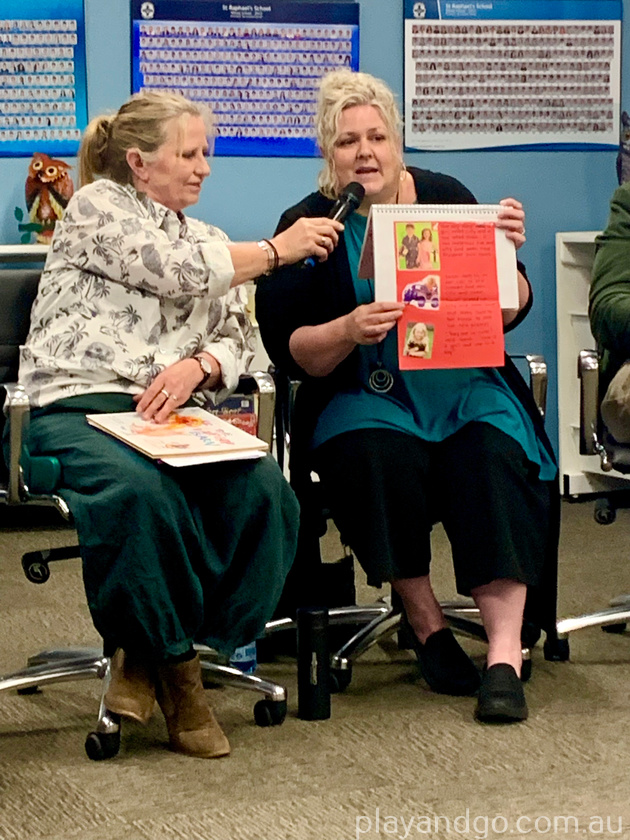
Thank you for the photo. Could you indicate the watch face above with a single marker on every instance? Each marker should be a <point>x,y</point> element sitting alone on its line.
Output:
<point>205,365</point>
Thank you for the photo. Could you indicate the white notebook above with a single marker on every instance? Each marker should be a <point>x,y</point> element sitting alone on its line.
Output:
<point>189,436</point>
<point>380,247</point>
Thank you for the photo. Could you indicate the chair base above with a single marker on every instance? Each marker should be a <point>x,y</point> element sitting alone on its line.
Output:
<point>56,666</point>
<point>381,620</point>
<point>613,619</point>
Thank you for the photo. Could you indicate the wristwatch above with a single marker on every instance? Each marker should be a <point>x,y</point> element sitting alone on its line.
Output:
<point>206,367</point>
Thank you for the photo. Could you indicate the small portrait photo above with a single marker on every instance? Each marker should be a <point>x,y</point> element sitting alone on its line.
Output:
<point>408,245</point>
<point>419,340</point>
<point>425,293</point>
<point>418,247</point>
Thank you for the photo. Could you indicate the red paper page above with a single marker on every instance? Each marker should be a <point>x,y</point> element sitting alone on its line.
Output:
<point>446,274</point>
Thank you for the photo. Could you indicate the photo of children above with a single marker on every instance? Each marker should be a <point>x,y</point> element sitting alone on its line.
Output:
<point>417,246</point>
<point>419,340</point>
<point>409,247</point>
<point>427,250</point>
<point>423,293</point>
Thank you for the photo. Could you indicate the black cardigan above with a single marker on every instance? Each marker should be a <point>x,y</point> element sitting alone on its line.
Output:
<point>295,296</point>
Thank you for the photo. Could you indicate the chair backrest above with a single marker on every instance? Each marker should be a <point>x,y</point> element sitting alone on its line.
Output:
<point>18,288</point>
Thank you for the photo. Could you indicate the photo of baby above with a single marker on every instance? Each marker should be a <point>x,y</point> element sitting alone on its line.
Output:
<point>419,340</point>
<point>423,293</point>
<point>417,246</point>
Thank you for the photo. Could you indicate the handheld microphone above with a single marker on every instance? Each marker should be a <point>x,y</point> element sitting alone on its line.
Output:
<point>349,199</point>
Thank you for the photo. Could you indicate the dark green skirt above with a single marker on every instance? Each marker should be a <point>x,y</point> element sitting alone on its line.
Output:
<point>171,555</point>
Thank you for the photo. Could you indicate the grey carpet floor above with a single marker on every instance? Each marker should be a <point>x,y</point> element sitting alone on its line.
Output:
<point>394,760</point>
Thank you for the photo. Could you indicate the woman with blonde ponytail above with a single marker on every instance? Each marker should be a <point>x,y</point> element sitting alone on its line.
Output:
<point>93,151</point>
<point>140,306</point>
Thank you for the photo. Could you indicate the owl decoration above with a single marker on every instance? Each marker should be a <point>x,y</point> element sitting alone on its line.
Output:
<point>48,189</point>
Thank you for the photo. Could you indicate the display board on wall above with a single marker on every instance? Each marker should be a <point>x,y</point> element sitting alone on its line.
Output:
<point>257,64</point>
<point>538,74</point>
<point>43,98</point>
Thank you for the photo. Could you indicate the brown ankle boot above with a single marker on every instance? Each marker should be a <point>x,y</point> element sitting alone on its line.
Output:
<point>131,691</point>
<point>192,727</point>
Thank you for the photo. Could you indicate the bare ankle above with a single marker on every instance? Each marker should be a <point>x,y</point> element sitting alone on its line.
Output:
<point>425,627</point>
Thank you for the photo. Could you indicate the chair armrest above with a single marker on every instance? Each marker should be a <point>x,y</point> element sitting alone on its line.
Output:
<point>261,383</point>
<point>32,479</point>
<point>592,435</point>
<point>588,374</point>
<point>17,409</point>
<point>538,378</point>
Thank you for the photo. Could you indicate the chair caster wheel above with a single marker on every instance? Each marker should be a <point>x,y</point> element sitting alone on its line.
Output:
<point>556,650</point>
<point>615,628</point>
<point>270,712</point>
<point>100,745</point>
<point>32,689</point>
<point>37,571</point>
<point>526,670</point>
<point>604,513</point>
<point>340,680</point>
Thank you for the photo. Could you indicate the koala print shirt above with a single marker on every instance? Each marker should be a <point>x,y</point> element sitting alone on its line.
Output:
<point>129,288</point>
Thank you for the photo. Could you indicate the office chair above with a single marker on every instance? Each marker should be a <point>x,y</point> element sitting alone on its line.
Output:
<point>594,439</point>
<point>378,621</point>
<point>28,481</point>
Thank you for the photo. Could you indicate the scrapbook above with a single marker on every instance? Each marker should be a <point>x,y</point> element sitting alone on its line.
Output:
<point>453,269</point>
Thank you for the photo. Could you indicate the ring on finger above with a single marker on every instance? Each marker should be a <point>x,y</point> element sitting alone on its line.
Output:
<point>165,392</point>
<point>173,397</point>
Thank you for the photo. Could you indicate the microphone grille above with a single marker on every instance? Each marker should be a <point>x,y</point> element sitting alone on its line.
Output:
<point>354,192</point>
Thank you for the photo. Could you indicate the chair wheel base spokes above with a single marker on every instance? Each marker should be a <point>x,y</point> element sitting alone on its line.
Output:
<point>615,628</point>
<point>270,712</point>
<point>556,650</point>
<point>340,679</point>
<point>100,746</point>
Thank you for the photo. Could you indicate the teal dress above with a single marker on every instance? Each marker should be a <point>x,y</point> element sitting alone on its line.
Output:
<point>429,404</point>
<point>171,555</point>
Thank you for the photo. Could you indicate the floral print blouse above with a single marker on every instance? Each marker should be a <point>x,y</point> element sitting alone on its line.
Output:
<point>130,287</point>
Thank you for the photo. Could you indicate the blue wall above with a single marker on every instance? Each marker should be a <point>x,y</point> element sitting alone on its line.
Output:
<point>560,190</point>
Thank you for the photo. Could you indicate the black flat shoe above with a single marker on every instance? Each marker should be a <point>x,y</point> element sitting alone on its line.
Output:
<point>445,666</point>
<point>501,696</point>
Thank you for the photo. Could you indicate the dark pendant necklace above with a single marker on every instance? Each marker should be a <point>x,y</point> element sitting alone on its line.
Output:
<point>380,379</point>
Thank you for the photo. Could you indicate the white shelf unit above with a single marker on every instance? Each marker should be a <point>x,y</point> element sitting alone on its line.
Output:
<point>575,252</point>
<point>23,253</point>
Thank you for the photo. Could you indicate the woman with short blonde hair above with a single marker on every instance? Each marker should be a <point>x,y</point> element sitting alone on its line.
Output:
<point>343,89</point>
<point>393,447</point>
